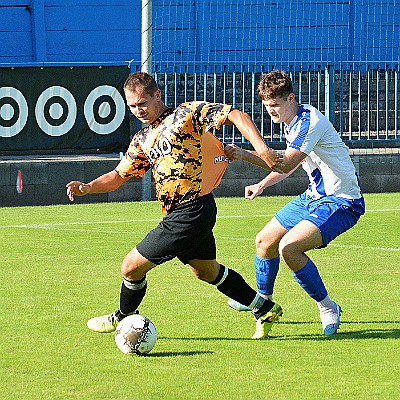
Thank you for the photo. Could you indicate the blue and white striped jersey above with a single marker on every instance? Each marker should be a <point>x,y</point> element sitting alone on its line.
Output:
<point>328,165</point>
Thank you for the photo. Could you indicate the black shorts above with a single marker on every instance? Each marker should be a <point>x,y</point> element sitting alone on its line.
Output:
<point>185,233</point>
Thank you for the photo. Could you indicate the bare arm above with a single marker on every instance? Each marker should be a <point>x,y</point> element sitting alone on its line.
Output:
<point>103,184</point>
<point>235,153</point>
<point>290,161</point>
<point>249,130</point>
<point>252,191</point>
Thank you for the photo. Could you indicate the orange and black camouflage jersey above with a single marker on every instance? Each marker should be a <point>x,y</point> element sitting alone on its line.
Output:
<point>187,160</point>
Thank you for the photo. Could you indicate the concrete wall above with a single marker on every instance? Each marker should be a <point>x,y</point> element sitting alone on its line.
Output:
<point>44,178</point>
<point>378,169</point>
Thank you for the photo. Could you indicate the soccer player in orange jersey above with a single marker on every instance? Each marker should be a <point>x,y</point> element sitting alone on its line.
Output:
<point>187,163</point>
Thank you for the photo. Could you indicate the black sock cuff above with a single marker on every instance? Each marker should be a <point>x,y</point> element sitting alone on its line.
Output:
<point>265,307</point>
<point>223,272</point>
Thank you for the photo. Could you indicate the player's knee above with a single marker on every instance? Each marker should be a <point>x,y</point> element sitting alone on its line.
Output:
<point>264,245</point>
<point>202,275</point>
<point>126,268</point>
<point>198,274</point>
<point>260,242</point>
<point>206,273</point>
<point>287,249</point>
<point>129,268</point>
<point>134,266</point>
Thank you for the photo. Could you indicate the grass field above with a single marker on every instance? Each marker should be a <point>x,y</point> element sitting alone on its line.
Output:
<point>60,266</point>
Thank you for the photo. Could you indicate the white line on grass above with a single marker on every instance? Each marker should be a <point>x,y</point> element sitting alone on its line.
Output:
<point>124,221</point>
<point>62,226</point>
<point>51,225</point>
<point>57,224</point>
<point>353,246</point>
<point>347,246</point>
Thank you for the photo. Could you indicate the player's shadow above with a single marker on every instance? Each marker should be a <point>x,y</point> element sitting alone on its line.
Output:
<point>361,334</point>
<point>368,333</point>
<point>177,353</point>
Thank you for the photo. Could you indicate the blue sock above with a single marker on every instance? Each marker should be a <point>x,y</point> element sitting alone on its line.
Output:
<point>309,279</point>
<point>266,271</point>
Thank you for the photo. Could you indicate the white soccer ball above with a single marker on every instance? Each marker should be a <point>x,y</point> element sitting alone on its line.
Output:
<point>135,334</point>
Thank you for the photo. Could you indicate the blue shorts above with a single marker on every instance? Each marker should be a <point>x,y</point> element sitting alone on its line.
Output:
<point>330,214</point>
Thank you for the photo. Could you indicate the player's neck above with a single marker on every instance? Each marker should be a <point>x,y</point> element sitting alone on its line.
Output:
<point>160,111</point>
<point>162,108</point>
<point>294,111</point>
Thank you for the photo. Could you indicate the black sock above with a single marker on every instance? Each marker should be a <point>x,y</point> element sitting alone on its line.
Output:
<point>231,284</point>
<point>132,293</point>
<point>265,307</point>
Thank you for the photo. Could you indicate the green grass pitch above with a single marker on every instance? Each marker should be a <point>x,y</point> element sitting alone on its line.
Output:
<point>60,266</point>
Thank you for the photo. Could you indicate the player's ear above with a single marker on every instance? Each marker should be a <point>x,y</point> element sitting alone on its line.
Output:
<point>291,98</point>
<point>157,94</point>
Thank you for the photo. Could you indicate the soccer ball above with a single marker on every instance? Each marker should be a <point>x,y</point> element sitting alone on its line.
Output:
<point>135,334</point>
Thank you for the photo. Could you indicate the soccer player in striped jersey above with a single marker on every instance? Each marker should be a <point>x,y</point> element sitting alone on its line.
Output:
<point>187,163</point>
<point>331,205</point>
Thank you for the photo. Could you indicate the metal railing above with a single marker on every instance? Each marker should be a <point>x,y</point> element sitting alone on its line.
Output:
<point>362,102</point>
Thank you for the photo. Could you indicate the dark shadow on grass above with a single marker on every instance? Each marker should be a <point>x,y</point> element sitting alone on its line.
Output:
<point>206,339</point>
<point>340,335</point>
<point>369,334</point>
<point>177,354</point>
<point>343,322</point>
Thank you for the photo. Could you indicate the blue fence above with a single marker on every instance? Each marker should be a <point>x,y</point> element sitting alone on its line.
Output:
<point>362,102</point>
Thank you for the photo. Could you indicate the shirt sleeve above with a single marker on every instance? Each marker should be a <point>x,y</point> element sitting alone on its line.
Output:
<point>134,163</point>
<point>210,115</point>
<point>306,136</point>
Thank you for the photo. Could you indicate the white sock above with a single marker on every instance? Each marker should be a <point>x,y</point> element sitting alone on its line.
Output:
<point>326,304</point>
<point>265,296</point>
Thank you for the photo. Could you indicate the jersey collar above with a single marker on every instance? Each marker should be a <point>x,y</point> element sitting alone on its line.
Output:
<point>295,118</point>
<point>161,118</point>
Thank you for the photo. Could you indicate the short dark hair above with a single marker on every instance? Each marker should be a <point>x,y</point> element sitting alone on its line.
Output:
<point>141,79</point>
<point>275,84</point>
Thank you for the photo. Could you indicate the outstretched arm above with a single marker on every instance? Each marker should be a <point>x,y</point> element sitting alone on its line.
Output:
<point>235,153</point>
<point>249,130</point>
<point>290,160</point>
<point>252,191</point>
<point>103,184</point>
